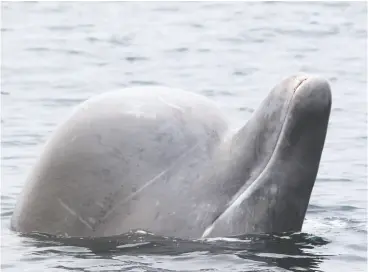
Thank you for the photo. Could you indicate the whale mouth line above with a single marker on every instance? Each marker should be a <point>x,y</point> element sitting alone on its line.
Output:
<point>243,193</point>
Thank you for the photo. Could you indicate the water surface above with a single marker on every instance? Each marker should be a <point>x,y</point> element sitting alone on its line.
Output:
<point>57,54</point>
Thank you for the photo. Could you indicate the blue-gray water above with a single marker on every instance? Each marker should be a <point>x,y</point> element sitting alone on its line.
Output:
<point>55,55</point>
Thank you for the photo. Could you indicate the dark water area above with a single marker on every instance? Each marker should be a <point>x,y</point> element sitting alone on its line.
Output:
<point>287,251</point>
<point>55,55</point>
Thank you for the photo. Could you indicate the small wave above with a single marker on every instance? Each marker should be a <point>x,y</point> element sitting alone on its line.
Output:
<point>245,72</point>
<point>181,49</point>
<point>227,239</point>
<point>61,27</point>
<point>143,82</point>
<point>120,40</point>
<point>4,29</point>
<point>67,102</point>
<point>333,180</point>
<point>308,32</point>
<point>135,59</point>
<point>38,49</point>
<point>204,50</point>
<point>246,109</point>
<point>6,214</point>
<point>133,245</point>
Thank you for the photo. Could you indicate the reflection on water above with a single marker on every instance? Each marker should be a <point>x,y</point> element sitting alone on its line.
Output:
<point>287,250</point>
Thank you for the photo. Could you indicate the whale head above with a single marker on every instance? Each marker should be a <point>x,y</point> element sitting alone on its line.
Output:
<point>279,152</point>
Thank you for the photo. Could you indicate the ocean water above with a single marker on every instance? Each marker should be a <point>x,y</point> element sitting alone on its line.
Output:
<point>54,55</point>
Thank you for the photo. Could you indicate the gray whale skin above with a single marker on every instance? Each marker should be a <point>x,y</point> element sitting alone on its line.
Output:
<point>166,161</point>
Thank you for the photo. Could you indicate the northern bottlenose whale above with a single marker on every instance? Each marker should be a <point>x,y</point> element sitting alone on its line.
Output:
<point>167,161</point>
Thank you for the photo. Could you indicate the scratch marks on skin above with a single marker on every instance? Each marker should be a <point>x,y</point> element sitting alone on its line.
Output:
<point>298,163</point>
<point>136,192</point>
<point>141,114</point>
<point>147,184</point>
<point>207,231</point>
<point>99,204</point>
<point>138,114</point>
<point>171,105</point>
<point>72,212</point>
<point>136,109</point>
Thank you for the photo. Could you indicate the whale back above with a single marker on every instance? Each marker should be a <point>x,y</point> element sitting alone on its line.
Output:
<point>111,151</point>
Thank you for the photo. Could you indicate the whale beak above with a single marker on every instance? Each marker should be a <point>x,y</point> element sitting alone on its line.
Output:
<point>288,178</point>
<point>280,150</point>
